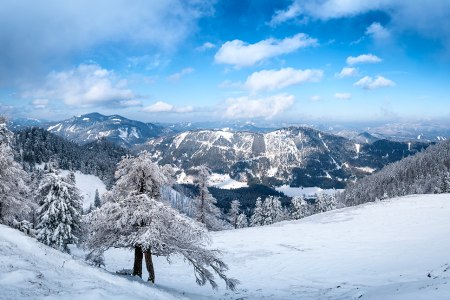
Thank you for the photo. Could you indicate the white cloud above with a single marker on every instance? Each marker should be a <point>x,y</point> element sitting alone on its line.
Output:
<point>368,83</point>
<point>163,107</point>
<point>55,29</point>
<point>429,19</point>
<point>347,72</point>
<point>241,54</point>
<point>268,80</point>
<point>343,96</point>
<point>315,98</point>
<point>363,59</point>
<point>181,74</point>
<point>86,85</point>
<point>377,31</point>
<point>129,103</point>
<point>39,103</point>
<point>245,107</point>
<point>206,46</point>
<point>228,84</point>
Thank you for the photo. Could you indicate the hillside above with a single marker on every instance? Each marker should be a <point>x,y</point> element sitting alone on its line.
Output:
<point>395,249</point>
<point>31,270</point>
<point>382,250</point>
<point>298,156</point>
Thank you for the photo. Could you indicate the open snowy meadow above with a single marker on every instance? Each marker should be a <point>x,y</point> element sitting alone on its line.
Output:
<point>394,249</point>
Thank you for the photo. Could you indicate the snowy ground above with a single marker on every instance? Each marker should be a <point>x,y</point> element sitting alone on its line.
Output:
<point>381,250</point>
<point>31,270</point>
<point>87,184</point>
<point>395,249</point>
<point>304,191</point>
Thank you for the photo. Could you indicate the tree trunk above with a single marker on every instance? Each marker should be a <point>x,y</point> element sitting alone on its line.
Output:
<point>149,265</point>
<point>137,269</point>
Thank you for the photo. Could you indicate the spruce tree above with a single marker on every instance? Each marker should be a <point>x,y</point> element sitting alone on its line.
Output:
<point>97,202</point>
<point>272,211</point>
<point>59,213</point>
<point>299,208</point>
<point>257,218</point>
<point>242,221</point>
<point>233,214</point>
<point>206,209</point>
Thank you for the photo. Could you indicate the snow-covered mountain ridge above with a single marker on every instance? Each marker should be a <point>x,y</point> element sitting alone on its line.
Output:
<point>298,156</point>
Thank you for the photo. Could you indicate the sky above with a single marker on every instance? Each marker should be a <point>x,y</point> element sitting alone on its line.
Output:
<point>199,60</point>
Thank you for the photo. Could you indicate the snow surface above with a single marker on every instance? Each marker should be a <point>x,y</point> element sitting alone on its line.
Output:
<point>224,181</point>
<point>31,270</point>
<point>382,250</point>
<point>87,184</point>
<point>304,191</point>
<point>394,249</point>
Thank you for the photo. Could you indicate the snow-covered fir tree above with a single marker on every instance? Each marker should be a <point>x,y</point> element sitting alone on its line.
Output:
<point>233,214</point>
<point>445,183</point>
<point>272,210</point>
<point>134,216</point>
<point>299,208</point>
<point>97,201</point>
<point>205,204</point>
<point>257,218</point>
<point>14,193</point>
<point>242,221</point>
<point>59,213</point>
<point>325,202</point>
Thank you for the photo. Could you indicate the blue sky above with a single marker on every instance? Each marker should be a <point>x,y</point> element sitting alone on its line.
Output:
<point>167,61</point>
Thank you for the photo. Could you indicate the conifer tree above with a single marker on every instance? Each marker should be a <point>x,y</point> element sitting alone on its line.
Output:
<point>14,193</point>
<point>59,213</point>
<point>233,214</point>
<point>257,218</point>
<point>97,202</point>
<point>299,208</point>
<point>242,221</point>
<point>206,209</point>
<point>272,211</point>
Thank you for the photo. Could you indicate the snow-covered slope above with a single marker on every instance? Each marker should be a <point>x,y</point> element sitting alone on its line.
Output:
<point>31,270</point>
<point>395,249</point>
<point>87,184</point>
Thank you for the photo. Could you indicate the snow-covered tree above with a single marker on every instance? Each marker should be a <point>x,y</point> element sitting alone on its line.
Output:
<point>257,218</point>
<point>135,217</point>
<point>14,203</point>
<point>325,202</point>
<point>205,204</point>
<point>59,213</point>
<point>97,202</point>
<point>445,183</point>
<point>299,208</point>
<point>272,211</point>
<point>242,221</point>
<point>233,214</point>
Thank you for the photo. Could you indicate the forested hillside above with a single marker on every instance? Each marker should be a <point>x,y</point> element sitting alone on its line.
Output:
<point>424,173</point>
<point>36,146</point>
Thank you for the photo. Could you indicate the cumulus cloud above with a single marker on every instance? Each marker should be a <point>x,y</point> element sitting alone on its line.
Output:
<point>181,74</point>
<point>347,72</point>
<point>84,86</point>
<point>369,83</point>
<point>241,54</point>
<point>245,107</point>
<point>363,59</point>
<point>163,107</point>
<point>268,80</point>
<point>343,96</point>
<point>39,103</point>
<point>377,31</point>
<point>53,30</point>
